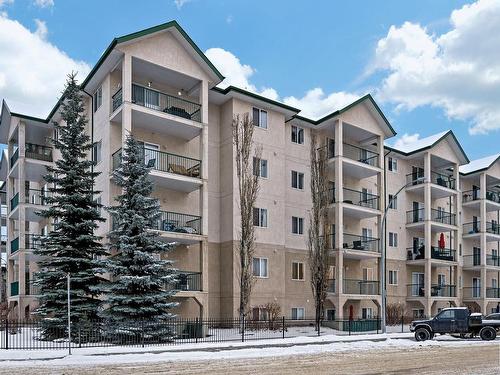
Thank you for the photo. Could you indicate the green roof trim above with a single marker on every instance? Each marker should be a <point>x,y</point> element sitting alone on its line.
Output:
<point>255,96</point>
<point>342,110</point>
<point>449,132</point>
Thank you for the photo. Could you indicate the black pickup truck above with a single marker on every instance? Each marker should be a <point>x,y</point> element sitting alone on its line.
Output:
<point>455,320</point>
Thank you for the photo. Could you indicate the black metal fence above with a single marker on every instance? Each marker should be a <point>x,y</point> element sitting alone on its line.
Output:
<point>30,334</point>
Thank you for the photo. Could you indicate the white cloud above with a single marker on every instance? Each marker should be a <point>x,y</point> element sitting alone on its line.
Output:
<point>44,3</point>
<point>180,3</point>
<point>314,104</point>
<point>406,139</point>
<point>32,70</point>
<point>458,71</point>
<point>41,29</point>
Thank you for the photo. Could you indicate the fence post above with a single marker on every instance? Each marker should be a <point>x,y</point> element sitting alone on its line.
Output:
<point>350,321</point>
<point>377,322</point>
<point>283,320</point>
<point>402,323</point>
<point>142,332</point>
<point>6,334</point>
<point>79,336</point>
<point>319,327</point>
<point>196,331</point>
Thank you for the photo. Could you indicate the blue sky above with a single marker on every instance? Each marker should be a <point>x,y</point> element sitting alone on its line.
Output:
<point>285,49</point>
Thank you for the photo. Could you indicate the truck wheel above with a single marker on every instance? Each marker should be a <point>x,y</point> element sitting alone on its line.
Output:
<point>487,333</point>
<point>422,334</point>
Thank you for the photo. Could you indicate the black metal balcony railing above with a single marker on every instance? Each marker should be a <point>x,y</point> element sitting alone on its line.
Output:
<point>32,241</point>
<point>14,201</point>
<point>415,253</point>
<point>443,290</point>
<point>179,223</point>
<point>443,180</point>
<point>170,104</point>
<point>415,290</point>
<point>116,100</point>
<point>360,198</point>
<point>443,217</point>
<point>415,178</point>
<point>14,157</point>
<point>471,292</point>
<point>493,196</point>
<point>415,216</point>
<point>357,242</point>
<point>360,154</point>
<point>493,228</point>
<point>36,196</point>
<point>165,162</point>
<point>470,195</point>
<point>471,228</point>
<point>38,152</point>
<point>187,281</point>
<point>472,260</point>
<point>493,260</point>
<point>31,289</point>
<point>364,287</point>
<point>492,292</point>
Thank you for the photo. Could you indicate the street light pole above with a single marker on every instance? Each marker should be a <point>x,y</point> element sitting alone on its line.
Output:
<point>68,277</point>
<point>384,255</point>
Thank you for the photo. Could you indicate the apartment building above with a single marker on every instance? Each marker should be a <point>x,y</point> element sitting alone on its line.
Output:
<point>157,85</point>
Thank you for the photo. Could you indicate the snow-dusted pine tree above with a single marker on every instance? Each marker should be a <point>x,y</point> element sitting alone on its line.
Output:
<point>142,283</point>
<point>71,247</point>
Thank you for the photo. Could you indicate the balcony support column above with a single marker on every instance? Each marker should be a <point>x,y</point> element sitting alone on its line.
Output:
<point>204,265</point>
<point>339,209</point>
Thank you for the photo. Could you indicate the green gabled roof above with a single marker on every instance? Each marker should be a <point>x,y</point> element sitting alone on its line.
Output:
<point>342,110</point>
<point>449,132</point>
<point>255,96</point>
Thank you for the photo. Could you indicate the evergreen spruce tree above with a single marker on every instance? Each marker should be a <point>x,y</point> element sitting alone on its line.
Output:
<point>142,286</point>
<point>71,247</point>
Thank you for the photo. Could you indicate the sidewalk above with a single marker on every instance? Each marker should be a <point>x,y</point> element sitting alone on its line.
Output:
<point>49,354</point>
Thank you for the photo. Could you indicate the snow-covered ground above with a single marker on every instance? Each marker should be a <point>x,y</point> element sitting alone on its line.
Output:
<point>237,350</point>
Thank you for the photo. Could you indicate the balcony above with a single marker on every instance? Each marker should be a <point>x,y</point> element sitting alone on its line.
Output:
<point>442,185</point>
<point>36,196</point>
<point>178,227</point>
<point>32,241</point>
<point>330,286</point>
<point>361,287</point>
<point>168,170</point>
<point>493,228</point>
<point>472,260</point>
<point>443,180</point>
<point>359,204</point>
<point>473,229</point>
<point>472,198</point>
<point>443,290</point>
<point>38,152</point>
<point>361,243</point>
<point>493,260</point>
<point>358,162</point>
<point>14,202</point>
<point>415,216</point>
<point>116,100</point>
<point>187,282</point>
<point>492,292</point>
<point>415,290</point>
<point>471,292</point>
<point>443,217</point>
<point>440,220</point>
<point>14,288</point>
<point>14,157</point>
<point>417,253</point>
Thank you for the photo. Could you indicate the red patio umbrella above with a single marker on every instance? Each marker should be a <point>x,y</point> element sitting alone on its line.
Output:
<point>441,241</point>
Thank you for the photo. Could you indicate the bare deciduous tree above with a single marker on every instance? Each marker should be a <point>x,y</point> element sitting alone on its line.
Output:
<point>248,185</point>
<point>318,231</point>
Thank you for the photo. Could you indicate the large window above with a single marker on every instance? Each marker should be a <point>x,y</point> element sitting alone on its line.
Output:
<point>298,180</point>
<point>260,217</point>
<point>96,152</point>
<point>297,135</point>
<point>260,267</point>
<point>393,239</point>
<point>297,271</point>
<point>298,313</point>
<point>297,225</point>
<point>260,167</point>
<point>393,277</point>
<point>97,98</point>
<point>260,118</point>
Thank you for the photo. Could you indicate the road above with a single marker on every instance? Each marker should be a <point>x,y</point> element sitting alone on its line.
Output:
<point>484,360</point>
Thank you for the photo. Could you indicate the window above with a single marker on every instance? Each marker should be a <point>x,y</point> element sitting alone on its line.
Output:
<point>97,98</point>
<point>298,313</point>
<point>366,313</point>
<point>297,225</point>
<point>392,164</point>
<point>56,134</point>
<point>260,118</point>
<point>441,279</point>
<point>447,315</point>
<point>260,267</point>
<point>297,271</point>
<point>393,202</point>
<point>260,167</point>
<point>297,135</point>
<point>393,277</point>
<point>259,313</point>
<point>418,313</point>
<point>367,274</point>
<point>298,180</point>
<point>260,217</point>
<point>393,239</point>
<point>96,152</point>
